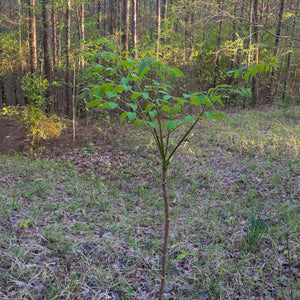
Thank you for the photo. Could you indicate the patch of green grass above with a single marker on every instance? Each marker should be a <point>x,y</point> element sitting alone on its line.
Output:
<point>275,132</point>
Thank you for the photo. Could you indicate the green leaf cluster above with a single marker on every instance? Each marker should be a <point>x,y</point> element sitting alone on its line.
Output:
<point>142,92</point>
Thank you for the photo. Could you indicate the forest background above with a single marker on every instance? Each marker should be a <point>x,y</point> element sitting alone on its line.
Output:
<point>57,40</point>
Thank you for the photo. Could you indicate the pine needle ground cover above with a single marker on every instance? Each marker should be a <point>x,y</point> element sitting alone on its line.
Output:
<point>88,225</point>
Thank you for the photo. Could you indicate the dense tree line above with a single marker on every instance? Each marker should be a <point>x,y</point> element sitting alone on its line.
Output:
<point>59,39</point>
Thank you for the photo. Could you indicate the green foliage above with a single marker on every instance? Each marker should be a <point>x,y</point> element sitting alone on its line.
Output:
<point>11,112</point>
<point>255,231</point>
<point>143,92</point>
<point>40,125</point>
<point>34,87</point>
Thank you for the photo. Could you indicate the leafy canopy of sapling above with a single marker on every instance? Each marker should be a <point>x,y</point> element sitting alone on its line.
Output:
<point>142,91</point>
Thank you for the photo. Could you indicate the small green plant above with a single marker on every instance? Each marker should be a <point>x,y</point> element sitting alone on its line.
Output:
<point>40,125</point>
<point>142,90</point>
<point>255,231</point>
<point>24,223</point>
<point>184,254</point>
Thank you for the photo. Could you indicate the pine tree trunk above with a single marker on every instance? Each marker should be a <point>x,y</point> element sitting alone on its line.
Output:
<point>82,36</point>
<point>220,27</point>
<point>134,28</point>
<point>158,27</point>
<point>47,51</point>
<point>254,85</point>
<point>125,17</point>
<point>68,49</point>
<point>289,58</point>
<point>32,36</point>
<point>99,21</point>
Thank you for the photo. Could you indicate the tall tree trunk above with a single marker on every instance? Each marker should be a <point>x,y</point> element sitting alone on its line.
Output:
<point>54,34</point>
<point>104,17</point>
<point>158,26</point>
<point>164,12</point>
<point>134,28</point>
<point>220,27</point>
<point>279,25</point>
<point>192,32</point>
<point>47,51</point>
<point>272,91</point>
<point>68,50</point>
<point>82,36</point>
<point>32,36</point>
<point>289,58</point>
<point>99,21</point>
<point>125,17</point>
<point>254,85</point>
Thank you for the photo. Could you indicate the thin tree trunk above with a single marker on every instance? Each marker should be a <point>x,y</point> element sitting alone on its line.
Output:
<point>220,27</point>
<point>158,15</point>
<point>192,32</point>
<point>289,58</point>
<point>104,17</point>
<point>276,48</point>
<point>279,25</point>
<point>254,86</point>
<point>68,49</point>
<point>99,21</point>
<point>32,36</point>
<point>82,36</point>
<point>134,28</point>
<point>47,51</point>
<point>167,228</point>
<point>164,11</point>
<point>125,17</point>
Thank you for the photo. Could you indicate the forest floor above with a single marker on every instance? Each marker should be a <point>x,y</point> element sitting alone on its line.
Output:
<point>84,219</point>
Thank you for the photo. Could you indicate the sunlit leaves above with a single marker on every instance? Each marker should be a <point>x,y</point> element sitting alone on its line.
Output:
<point>133,106</point>
<point>93,103</point>
<point>131,115</point>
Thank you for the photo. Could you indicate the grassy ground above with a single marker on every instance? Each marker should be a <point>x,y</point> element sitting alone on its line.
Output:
<point>96,234</point>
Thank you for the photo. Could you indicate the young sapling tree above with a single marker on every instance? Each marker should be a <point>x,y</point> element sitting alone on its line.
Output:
<point>142,91</point>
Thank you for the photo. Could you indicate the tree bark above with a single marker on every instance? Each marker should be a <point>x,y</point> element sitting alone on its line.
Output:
<point>125,17</point>
<point>82,27</point>
<point>47,51</point>
<point>68,49</point>
<point>32,36</point>
<point>220,27</point>
<point>254,84</point>
<point>134,28</point>
<point>99,21</point>
<point>289,58</point>
<point>167,228</point>
<point>158,26</point>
